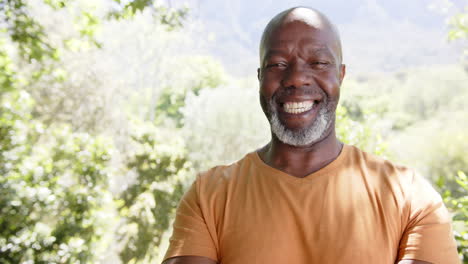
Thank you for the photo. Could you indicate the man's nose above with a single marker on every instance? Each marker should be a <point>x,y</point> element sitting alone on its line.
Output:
<point>297,76</point>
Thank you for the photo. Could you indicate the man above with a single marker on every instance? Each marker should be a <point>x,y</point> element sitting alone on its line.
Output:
<point>306,197</point>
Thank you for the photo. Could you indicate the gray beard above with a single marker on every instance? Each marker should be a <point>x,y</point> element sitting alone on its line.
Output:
<point>302,137</point>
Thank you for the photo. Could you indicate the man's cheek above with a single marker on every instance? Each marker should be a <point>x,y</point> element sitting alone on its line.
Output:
<point>264,103</point>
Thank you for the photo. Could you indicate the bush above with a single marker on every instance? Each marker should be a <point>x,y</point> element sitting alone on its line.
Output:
<point>54,201</point>
<point>147,205</point>
<point>459,207</point>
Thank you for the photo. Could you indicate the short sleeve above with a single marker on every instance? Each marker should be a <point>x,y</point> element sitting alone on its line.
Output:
<point>428,235</point>
<point>191,236</point>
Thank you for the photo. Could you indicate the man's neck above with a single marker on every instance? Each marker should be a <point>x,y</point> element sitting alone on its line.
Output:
<point>304,160</point>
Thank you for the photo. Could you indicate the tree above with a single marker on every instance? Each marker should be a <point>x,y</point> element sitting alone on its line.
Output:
<point>162,171</point>
<point>56,205</point>
<point>31,39</point>
<point>53,191</point>
<point>458,25</point>
<point>458,205</point>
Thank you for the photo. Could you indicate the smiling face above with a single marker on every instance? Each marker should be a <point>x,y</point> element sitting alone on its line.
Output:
<point>300,76</point>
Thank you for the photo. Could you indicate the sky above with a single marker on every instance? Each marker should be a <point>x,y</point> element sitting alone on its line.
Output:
<point>377,35</point>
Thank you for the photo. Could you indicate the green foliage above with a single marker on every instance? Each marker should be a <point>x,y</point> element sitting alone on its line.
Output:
<point>88,25</point>
<point>458,204</point>
<point>398,100</point>
<point>31,38</point>
<point>148,203</point>
<point>221,125</point>
<point>169,16</point>
<point>169,105</point>
<point>448,159</point>
<point>459,31</point>
<point>172,99</point>
<point>459,26</point>
<point>7,75</point>
<point>55,200</point>
<point>54,196</point>
<point>361,134</point>
<point>25,31</point>
<point>56,4</point>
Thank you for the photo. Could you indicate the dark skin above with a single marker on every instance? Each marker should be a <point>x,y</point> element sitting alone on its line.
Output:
<point>303,60</point>
<point>203,260</point>
<point>304,57</point>
<point>192,260</point>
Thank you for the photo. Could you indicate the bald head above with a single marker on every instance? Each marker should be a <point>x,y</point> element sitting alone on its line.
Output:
<point>308,16</point>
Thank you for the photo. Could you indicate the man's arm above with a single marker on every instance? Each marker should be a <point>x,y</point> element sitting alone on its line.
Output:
<point>411,261</point>
<point>194,237</point>
<point>428,233</point>
<point>203,260</point>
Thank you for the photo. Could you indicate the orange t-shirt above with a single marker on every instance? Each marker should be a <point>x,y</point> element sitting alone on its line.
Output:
<point>358,209</point>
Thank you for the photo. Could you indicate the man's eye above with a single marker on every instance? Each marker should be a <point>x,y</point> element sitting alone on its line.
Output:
<point>320,64</point>
<point>276,65</point>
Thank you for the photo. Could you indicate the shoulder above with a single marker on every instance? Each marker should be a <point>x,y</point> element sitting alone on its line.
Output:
<point>385,176</point>
<point>220,177</point>
<point>380,168</point>
<point>221,184</point>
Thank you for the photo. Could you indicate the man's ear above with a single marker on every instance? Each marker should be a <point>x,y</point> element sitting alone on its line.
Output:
<point>258,74</point>
<point>342,72</point>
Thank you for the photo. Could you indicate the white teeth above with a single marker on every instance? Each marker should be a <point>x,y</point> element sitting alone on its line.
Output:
<point>297,107</point>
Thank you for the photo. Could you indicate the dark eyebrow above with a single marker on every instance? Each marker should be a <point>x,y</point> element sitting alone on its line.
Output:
<point>274,52</point>
<point>318,51</point>
<point>323,50</point>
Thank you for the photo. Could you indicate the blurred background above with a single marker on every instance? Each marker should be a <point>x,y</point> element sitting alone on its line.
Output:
<point>109,108</point>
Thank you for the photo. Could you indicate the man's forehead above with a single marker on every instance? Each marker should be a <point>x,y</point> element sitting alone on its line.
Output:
<point>299,35</point>
<point>307,16</point>
<point>299,31</point>
<point>311,49</point>
<point>313,23</point>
